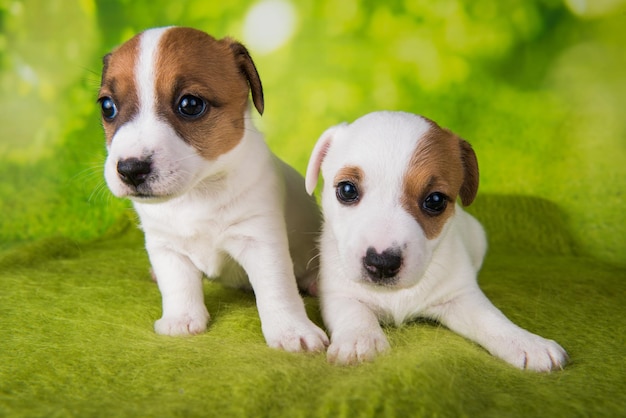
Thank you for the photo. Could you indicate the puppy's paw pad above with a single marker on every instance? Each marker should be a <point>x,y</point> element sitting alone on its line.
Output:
<point>181,325</point>
<point>356,348</point>
<point>297,338</point>
<point>532,352</point>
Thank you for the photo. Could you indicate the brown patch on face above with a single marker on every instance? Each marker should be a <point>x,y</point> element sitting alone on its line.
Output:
<point>350,173</point>
<point>444,163</point>
<point>118,83</point>
<point>190,62</point>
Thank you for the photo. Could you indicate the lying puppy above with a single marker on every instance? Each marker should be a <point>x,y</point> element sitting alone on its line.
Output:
<point>395,244</point>
<point>210,195</point>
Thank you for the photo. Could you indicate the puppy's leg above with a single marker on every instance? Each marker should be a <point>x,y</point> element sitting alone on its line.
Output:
<point>356,335</point>
<point>284,322</point>
<point>180,283</point>
<point>474,316</point>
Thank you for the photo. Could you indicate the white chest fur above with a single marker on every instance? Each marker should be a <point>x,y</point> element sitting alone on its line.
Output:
<point>186,225</point>
<point>207,221</point>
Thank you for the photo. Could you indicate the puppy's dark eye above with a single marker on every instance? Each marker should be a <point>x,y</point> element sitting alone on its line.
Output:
<point>109,110</point>
<point>435,203</point>
<point>191,106</point>
<point>347,193</point>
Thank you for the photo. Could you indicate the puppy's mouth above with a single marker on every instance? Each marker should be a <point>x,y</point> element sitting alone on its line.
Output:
<point>141,197</point>
<point>139,190</point>
<point>384,284</point>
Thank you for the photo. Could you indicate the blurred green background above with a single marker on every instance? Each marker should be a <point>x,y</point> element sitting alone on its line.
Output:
<point>537,86</point>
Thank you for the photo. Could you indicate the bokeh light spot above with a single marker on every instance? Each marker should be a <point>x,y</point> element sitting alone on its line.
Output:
<point>268,25</point>
<point>594,8</point>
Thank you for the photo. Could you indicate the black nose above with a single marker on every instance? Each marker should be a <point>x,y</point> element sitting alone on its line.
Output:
<point>134,171</point>
<point>381,267</point>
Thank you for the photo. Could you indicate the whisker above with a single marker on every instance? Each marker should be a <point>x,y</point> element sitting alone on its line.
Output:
<point>312,259</point>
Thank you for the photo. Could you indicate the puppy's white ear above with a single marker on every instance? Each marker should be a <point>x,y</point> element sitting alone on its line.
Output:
<point>317,156</point>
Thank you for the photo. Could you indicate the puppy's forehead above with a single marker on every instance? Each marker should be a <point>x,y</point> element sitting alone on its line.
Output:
<point>379,142</point>
<point>165,61</point>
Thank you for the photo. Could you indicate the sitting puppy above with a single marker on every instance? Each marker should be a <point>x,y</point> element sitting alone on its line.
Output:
<point>395,244</point>
<point>210,195</point>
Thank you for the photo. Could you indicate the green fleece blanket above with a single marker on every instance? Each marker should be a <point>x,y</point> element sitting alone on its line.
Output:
<point>537,87</point>
<point>76,325</point>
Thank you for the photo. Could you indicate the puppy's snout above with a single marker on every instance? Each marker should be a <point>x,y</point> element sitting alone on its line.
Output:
<point>384,266</point>
<point>134,171</point>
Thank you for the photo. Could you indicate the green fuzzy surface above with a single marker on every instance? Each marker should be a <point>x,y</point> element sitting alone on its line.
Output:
<point>537,87</point>
<point>76,339</point>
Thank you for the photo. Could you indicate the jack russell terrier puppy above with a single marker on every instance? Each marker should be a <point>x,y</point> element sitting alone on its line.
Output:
<point>211,197</point>
<point>395,245</point>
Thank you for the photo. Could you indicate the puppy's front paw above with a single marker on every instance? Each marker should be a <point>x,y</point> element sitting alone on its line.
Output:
<point>185,324</point>
<point>532,352</point>
<point>356,346</point>
<point>295,337</point>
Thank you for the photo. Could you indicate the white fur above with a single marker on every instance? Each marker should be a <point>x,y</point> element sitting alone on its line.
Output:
<point>438,276</point>
<point>223,218</point>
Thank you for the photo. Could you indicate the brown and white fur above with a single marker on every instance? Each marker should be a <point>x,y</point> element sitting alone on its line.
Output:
<point>211,197</point>
<point>395,244</point>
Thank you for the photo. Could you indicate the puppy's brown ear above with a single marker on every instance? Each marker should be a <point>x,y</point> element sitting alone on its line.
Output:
<point>248,69</point>
<point>317,157</point>
<point>105,66</point>
<point>469,188</point>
